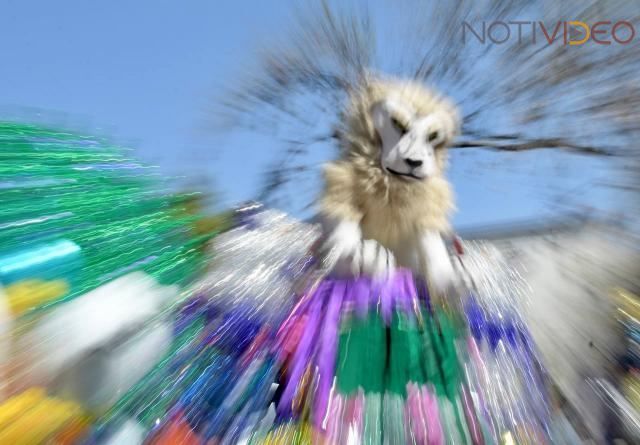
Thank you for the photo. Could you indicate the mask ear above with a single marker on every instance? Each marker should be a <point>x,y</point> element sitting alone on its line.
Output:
<point>382,130</point>
<point>379,116</point>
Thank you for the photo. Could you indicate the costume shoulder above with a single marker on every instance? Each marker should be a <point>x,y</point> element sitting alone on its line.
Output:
<point>339,200</point>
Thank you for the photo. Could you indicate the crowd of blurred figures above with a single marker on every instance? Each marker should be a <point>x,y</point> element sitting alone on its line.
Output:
<point>130,316</point>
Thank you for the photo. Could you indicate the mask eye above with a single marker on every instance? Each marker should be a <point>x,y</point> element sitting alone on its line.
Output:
<point>399,126</point>
<point>433,136</point>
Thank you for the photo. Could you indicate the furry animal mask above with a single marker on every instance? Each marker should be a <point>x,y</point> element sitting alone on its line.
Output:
<point>393,140</point>
<point>384,116</point>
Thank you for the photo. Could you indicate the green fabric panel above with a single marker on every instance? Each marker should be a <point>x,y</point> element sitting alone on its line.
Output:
<point>362,354</point>
<point>432,355</point>
<point>405,354</point>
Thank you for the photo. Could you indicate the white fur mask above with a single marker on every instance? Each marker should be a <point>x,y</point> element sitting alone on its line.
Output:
<point>408,141</point>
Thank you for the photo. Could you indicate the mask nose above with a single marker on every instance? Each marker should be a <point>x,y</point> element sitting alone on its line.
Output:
<point>413,163</point>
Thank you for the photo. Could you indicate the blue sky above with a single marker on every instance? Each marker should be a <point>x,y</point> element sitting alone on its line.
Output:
<point>146,73</point>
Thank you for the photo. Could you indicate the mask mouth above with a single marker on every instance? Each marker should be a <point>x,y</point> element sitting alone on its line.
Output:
<point>405,175</point>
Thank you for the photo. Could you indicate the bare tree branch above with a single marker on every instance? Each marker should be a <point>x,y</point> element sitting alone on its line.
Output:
<point>516,144</point>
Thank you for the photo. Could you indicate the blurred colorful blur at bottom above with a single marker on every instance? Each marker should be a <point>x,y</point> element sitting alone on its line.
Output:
<point>130,317</point>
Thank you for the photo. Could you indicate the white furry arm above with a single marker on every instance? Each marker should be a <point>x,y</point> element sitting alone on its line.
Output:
<point>340,219</point>
<point>439,269</point>
<point>376,260</point>
<point>342,245</point>
<point>351,255</point>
